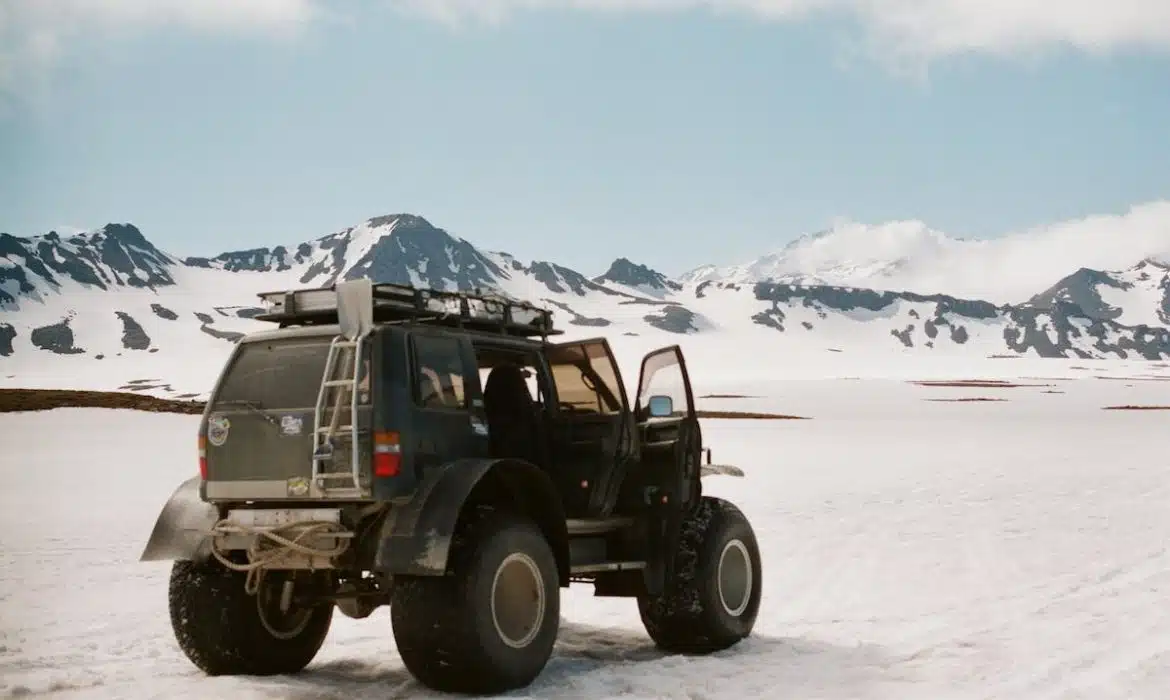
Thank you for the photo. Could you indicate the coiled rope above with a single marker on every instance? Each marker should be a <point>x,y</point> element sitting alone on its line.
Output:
<point>271,543</point>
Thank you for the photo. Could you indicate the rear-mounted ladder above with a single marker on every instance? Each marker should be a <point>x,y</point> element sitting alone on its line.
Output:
<point>339,390</point>
<point>355,312</point>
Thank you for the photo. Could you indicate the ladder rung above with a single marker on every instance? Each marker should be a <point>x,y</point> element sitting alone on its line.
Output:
<point>339,383</point>
<point>340,429</point>
<point>345,343</point>
<point>336,475</point>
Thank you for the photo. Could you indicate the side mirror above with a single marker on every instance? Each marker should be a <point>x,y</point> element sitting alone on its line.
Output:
<point>660,406</point>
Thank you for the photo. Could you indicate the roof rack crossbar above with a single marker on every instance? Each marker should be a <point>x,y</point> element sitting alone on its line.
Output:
<point>399,303</point>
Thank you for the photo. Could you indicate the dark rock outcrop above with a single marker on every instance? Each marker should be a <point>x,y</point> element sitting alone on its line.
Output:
<point>164,313</point>
<point>7,335</point>
<point>577,319</point>
<point>133,335</point>
<point>56,338</point>
<point>673,319</point>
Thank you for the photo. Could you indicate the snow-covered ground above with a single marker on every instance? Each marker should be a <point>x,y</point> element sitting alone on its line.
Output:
<point>912,549</point>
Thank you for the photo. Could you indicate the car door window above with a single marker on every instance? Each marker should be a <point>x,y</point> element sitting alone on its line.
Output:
<point>663,375</point>
<point>585,378</point>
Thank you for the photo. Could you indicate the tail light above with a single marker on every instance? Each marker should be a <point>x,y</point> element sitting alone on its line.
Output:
<point>387,454</point>
<point>203,458</point>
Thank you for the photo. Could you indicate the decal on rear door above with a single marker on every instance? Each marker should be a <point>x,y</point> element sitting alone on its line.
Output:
<point>291,425</point>
<point>217,430</point>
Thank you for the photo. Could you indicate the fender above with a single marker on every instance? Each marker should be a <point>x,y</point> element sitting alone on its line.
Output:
<point>183,528</point>
<point>415,537</point>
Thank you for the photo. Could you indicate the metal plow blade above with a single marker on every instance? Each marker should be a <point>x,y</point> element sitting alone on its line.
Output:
<point>183,526</point>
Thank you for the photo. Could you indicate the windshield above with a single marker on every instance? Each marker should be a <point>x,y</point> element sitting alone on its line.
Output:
<point>279,374</point>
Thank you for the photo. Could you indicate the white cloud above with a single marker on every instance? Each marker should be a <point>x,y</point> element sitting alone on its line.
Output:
<point>939,27</point>
<point>1026,262</point>
<point>1010,268</point>
<point>920,28</point>
<point>34,32</point>
<point>67,15</point>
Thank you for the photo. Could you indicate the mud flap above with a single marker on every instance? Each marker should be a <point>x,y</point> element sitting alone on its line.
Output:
<point>183,528</point>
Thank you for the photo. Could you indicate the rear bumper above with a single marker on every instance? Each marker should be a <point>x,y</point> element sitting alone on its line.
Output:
<point>297,488</point>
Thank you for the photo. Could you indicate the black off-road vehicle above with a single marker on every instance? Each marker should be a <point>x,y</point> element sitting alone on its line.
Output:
<point>435,452</point>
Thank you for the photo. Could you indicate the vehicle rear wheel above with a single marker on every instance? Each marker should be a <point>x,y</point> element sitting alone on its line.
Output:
<point>224,630</point>
<point>489,625</point>
<point>712,601</point>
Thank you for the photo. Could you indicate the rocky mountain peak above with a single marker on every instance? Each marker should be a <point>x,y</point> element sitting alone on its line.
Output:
<point>115,255</point>
<point>639,277</point>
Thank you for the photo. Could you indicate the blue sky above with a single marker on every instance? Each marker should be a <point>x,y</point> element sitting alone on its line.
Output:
<point>690,133</point>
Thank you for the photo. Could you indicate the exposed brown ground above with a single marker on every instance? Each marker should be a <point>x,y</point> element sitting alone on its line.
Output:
<point>966,399</point>
<point>44,399</point>
<point>976,383</point>
<point>1136,408</point>
<point>12,400</point>
<point>748,415</point>
<point>727,396</point>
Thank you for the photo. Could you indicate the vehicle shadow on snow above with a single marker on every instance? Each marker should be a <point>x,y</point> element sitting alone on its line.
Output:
<point>591,661</point>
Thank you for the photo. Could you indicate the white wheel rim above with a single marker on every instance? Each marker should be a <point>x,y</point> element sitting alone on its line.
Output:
<point>734,578</point>
<point>517,600</point>
<point>280,625</point>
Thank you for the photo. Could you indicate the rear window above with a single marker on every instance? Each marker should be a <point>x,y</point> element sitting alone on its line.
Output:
<point>278,374</point>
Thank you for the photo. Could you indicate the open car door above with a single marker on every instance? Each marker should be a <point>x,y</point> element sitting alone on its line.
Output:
<point>672,444</point>
<point>592,435</point>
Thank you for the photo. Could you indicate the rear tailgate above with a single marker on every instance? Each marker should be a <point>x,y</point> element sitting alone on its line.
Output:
<point>259,430</point>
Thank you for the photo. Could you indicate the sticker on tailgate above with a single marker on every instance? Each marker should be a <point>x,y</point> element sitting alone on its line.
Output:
<point>217,430</point>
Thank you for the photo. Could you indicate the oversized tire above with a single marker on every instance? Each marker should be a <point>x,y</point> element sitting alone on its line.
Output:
<point>221,629</point>
<point>712,600</point>
<point>489,625</point>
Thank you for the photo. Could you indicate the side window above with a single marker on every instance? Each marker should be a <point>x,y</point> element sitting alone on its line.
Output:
<point>585,378</point>
<point>438,372</point>
<point>488,358</point>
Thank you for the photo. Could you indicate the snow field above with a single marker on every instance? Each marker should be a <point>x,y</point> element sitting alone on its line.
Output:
<point>818,341</point>
<point>740,351</point>
<point>912,549</point>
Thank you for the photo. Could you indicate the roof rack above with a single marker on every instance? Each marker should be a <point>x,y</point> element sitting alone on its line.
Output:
<point>400,303</point>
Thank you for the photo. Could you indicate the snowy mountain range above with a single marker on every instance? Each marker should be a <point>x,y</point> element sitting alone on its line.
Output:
<point>69,302</point>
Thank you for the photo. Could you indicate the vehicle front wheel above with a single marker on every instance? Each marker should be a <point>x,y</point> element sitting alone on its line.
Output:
<point>712,600</point>
<point>224,630</point>
<point>490,624</point>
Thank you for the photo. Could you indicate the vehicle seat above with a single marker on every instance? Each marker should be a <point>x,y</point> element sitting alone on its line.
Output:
<point>511,415</point>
